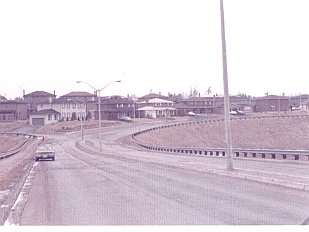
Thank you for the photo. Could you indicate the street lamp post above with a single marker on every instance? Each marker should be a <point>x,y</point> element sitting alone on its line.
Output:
<point>227,120</point>
<point>99,102</point>
<point>81,120</point>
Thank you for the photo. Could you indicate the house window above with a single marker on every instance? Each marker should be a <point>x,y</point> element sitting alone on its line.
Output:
<point>68,106</point>
<point>55,117</point>
<point>74,106</point>
<point>62,105</point>
<point>49,117</point>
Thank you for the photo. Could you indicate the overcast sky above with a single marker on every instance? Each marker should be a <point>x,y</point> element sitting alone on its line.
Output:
<point>159,45</point>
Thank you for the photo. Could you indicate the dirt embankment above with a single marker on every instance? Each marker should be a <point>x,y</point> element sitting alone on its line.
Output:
<point>68,126</point>
<point>8,143</point>
<point>278,133</point>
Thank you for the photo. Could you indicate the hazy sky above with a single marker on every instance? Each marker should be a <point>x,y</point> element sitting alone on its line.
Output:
<point>159,45</point>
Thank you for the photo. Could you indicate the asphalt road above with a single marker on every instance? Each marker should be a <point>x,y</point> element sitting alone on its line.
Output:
<point>113,189</point>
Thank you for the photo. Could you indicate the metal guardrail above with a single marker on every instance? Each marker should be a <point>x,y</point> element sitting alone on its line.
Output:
<point>22,146</point>
<point>237,152</point>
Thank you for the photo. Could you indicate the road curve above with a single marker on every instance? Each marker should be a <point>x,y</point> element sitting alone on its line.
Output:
<point>116,188</point>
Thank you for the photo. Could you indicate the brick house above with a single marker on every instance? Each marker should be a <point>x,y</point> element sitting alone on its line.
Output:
<point>114,107</point>
<point>34,98</point>
<point>11,110</point>
<point>237,103</point>
<point>197,105</point>
<point>271,103</point>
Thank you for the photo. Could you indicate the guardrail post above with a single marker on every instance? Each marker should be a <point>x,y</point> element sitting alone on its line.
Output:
<point>263,155</point>
<point>296,157</point>
<point>284,156</point>
<point>237,154</point>
<point>245,154</point>
<point>273,156</point>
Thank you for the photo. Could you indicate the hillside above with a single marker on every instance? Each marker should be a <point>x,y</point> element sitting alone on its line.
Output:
<point>283,133</point>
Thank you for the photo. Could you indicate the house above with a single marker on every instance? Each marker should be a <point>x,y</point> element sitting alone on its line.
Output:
<point>91,101</point>
<point>156,108</point>
<point>237,103</point>
<point>11,110</point>
<point>67,108</point>
<point>197,105</point>
<point>43,117</point>
<point>34,98</point>
<point>271,103</point>
<point>115,107</point>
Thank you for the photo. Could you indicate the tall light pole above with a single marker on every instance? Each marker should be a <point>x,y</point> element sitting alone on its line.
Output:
<point>81,120</point>
<point>227,120</point>
<point>99,102</point>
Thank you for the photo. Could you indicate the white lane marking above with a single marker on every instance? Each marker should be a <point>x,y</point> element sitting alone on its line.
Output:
<point>21,199</point>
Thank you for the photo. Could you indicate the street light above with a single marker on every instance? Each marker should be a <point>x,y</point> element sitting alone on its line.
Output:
<point>81,120</point>
<point>227,120</point>
<point>99,102</point>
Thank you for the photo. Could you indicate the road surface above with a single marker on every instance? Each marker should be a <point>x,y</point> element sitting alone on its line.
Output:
<point>126,186</point>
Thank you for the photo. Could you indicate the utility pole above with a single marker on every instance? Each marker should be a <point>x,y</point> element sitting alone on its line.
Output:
<point>227,119</point>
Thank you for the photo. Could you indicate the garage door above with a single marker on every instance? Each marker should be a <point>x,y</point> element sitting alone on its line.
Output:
<point>38,121</point>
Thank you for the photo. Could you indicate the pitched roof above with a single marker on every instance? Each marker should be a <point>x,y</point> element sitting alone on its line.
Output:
<point>153,95</point>
<point>157,100</point>
<point>38,93</point>
<point>79,94</point>
<point>269,97</point>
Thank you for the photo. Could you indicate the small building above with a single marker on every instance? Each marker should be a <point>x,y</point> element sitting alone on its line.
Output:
<point>11,110</point>
<point>156,108</point>
<point>44,117</point>
<point>271,103</point>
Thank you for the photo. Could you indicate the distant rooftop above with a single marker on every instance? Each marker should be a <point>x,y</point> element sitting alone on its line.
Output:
<point>79,94</point>
<point>38,94</point>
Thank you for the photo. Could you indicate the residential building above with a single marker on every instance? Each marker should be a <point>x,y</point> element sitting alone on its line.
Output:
<point>271,103</point>
<point>12,110</point>
<point>34,98</point>
<point>156,108</point>
<point>197,105</point>
<point>237,103</point>
<point>68,109</point>
<point>115,107</point>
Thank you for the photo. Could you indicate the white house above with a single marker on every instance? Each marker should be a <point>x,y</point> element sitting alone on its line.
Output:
<point>68,109</point>
<point>156,108</point>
